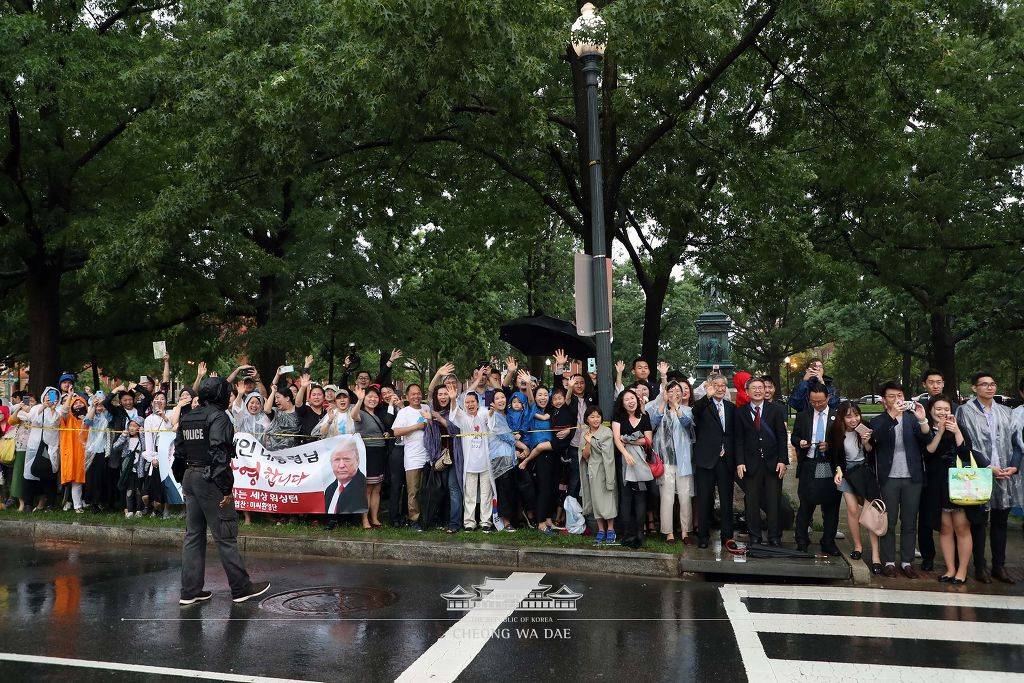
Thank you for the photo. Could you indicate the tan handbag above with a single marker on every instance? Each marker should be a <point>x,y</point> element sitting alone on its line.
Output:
<point>874,517</point>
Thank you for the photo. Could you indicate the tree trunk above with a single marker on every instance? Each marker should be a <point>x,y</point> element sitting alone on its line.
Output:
<point>269,357</point>
<point>906,358</point>
<point>944,349</point>
<point>42,296</point>
<point>653,306</point>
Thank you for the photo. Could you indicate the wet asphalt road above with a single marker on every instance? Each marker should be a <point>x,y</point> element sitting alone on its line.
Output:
<point>63,600</point>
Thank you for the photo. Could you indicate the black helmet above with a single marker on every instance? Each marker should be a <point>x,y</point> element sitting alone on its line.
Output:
<point>215,391</point>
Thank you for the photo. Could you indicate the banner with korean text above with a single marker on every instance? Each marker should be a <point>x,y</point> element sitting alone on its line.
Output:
<point>322,477</point>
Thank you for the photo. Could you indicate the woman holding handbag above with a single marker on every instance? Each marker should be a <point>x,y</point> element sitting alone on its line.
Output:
<point>947,445</point>
<point>631,429</point>
<point>849,442</point>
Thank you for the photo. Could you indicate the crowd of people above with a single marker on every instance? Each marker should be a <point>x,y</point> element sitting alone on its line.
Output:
<point>497,450</point>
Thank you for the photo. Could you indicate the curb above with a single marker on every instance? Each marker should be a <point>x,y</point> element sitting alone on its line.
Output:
<point>630,563</point>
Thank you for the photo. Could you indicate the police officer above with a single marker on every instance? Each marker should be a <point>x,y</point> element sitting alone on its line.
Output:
<point>205,441</point>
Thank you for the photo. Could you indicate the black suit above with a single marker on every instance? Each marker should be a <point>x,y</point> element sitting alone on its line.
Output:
<point>803,430</point>
<point>352,498</point>
<point>713,458</point>
<point>762,450</point>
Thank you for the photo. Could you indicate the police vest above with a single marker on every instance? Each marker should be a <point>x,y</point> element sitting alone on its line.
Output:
<point>195,429</point>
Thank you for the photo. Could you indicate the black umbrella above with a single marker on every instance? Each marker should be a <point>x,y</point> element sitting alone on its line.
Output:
<point>540,335</point>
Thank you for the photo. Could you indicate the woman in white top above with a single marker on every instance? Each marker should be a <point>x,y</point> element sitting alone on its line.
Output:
<point>409,425</point>
<point>44,419</point>
<point>159,420</point>
<point>337,420</point>
<point>476,457</point>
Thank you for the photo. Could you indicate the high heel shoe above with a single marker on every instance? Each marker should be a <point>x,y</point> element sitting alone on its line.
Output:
<point>957,582</point>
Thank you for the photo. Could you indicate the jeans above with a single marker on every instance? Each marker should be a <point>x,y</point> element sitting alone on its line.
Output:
<point>902,499</point>
<point>454,500</point>
<point>202,509</point>
<point>547,485</point>
<point>396,474</point>
<point>572,479</point>
<point>981,522</point>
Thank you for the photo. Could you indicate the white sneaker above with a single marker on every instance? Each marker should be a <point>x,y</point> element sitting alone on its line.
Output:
<point>128,515</point>
<point>67,507</point>
<point>840,535</point>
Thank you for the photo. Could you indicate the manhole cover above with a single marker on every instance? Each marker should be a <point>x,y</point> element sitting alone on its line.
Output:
<point>329,600</point>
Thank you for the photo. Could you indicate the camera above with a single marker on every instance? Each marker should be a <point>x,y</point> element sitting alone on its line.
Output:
<point>353,356</point>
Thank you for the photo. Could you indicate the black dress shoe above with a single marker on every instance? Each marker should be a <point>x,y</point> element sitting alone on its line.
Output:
<point>832,550</point>
<point>702,544</point>
<point>802,547</point>
<point>982,575</point>
<point>774,543</point>
<point>856,555</point>
<point>1000,573</point>
<point>927,565</point>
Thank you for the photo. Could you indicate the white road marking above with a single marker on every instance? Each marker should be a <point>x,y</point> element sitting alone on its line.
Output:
<point>884,627</point>
<point>456,649</point>
<point>755,660</point>
<point>883,596</point>
<point>791,669</point>
<point>141,668</point>
<point>760,667</point>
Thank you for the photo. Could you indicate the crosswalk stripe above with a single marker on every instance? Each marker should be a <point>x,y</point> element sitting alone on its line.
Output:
<point>140,668</point>
<point>760,667</point>
<point>881,627</point>
<point>795,669</point>
<point>459,646</point>
<point>882,595</point>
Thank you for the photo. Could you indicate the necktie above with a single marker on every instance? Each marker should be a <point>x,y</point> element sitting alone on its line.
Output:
<point>819,429</point>
<point>721,414</point>
<point>757,418</point>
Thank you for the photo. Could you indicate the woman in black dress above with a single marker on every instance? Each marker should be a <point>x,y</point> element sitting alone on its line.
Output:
<point>947,444</point>
<point>374,427</point>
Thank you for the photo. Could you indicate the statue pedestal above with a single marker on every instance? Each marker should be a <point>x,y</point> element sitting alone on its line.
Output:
<point>713,346</point>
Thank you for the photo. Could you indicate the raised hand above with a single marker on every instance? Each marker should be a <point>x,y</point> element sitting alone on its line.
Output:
<point>560,357</point>
<point>305,380</point>
<point>620,366</point>
<point>395,354</point>
<point>308,362</point>
<point>446,369</point>
<point>511,363</point>
<point>201,370</point>
<point>663,368</point>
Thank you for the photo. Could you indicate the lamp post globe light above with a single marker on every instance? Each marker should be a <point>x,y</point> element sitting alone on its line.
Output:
<point>589,37</point>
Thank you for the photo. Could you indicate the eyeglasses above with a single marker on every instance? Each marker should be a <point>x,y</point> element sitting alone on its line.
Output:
<point>985,385</point>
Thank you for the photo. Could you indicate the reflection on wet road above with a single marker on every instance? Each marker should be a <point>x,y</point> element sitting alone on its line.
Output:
<point>111,614</point>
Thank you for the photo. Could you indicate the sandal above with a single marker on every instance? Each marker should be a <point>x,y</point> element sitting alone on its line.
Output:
<point>376,525</point>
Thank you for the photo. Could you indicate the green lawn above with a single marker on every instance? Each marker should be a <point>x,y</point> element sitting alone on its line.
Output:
<point>521,538</point>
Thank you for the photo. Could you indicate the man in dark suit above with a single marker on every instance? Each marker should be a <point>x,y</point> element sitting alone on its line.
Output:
<point>810,437</point>
<point>762,456</point>
<point>347,493</point>
<point>714,421</point>
<point>898,436</point>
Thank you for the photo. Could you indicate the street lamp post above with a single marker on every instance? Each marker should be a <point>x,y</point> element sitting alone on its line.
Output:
<point>588,41</point>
